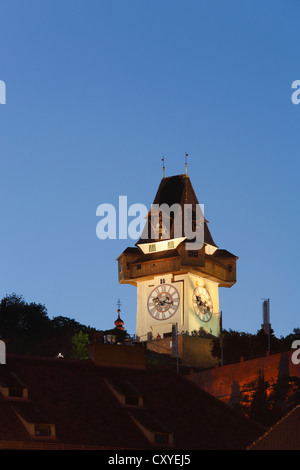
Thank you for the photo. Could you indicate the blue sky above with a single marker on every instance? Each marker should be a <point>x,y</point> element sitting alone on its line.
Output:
<point>97,92</point>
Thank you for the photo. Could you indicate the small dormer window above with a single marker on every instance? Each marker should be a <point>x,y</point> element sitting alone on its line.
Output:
<point>34,422</point>
<point>125,392</point>
<point>42,430</point>
<point>161,438</point>
<point>12,387</point>
<point>15,392</point>
<point>152,428</point>
<point>132,400</point>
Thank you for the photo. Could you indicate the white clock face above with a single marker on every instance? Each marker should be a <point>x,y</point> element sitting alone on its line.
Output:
<point>202,304</point>
<point>163,302</point>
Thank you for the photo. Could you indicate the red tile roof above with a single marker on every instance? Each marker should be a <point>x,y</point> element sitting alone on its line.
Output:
<point>285,435</point>
<point>74,396</point>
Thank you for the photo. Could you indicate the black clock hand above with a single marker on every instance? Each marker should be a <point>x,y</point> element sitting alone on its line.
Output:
<point>202,304</point>
<point>162,303</point>
<point>168,301</point>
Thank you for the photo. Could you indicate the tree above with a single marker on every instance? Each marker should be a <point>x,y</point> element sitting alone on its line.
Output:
<point>23,325</point>
<point>287,341</point>
<point>285,395</point>
<point>235,345</point>
<point>260,410</point>
<point>27,329</point>
<point>238,344</point>
<point>268,402</point>
<point>80,342</point>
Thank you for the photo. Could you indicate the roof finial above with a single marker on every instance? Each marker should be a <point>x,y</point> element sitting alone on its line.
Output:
<point>186,155</point>
<point>119,323</point>
<point>163,160</point>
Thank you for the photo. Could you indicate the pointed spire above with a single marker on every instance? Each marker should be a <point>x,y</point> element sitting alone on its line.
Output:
<point>119,323</point>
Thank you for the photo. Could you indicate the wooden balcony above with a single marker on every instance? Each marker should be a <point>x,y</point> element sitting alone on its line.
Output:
<point>221,268</point>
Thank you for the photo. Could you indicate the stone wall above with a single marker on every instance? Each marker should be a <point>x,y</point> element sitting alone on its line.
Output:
<point>226,382</point>
<point>115,355</point>
<point>193,351</point>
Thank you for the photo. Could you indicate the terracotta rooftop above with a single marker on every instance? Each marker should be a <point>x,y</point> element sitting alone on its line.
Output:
<point>282,436</point>
<point>74,396</point>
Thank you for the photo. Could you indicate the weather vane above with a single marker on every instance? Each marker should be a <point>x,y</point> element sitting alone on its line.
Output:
<point>163,160</point>
<point>186,155</point>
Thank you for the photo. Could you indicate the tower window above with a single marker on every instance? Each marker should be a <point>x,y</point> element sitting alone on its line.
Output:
<point>152,248</point>
<point>138,266</point>
<point>229,268</point>
<point>193,254</point>
<point>162,281</point>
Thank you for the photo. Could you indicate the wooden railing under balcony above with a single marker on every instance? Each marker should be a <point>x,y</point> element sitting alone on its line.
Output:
<point>132,267</point>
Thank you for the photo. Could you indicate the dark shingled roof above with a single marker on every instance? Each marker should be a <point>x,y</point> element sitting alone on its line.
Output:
<point>75,397</point>
<point>176,190</point>
<point>224,254</point>
<point>282,436</point>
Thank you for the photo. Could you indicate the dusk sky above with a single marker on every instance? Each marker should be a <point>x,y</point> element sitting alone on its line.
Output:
<point>97,92</point>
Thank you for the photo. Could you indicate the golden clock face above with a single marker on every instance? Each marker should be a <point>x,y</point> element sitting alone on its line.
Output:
<point>202,304</point>
<point>163,302</point>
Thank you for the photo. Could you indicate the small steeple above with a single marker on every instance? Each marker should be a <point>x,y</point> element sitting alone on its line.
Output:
<point>119,323</point>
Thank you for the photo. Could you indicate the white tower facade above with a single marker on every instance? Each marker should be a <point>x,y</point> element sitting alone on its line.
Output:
<point>176,285</point>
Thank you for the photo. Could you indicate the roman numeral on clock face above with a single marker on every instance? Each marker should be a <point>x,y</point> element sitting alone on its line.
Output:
<point>202,304</point>
<point>163,302</point>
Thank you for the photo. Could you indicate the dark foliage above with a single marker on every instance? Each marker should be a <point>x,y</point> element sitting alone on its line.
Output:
<point>27,329</point>
<point>266,402</point>
<point>238,344</point>
<point>262,401</point>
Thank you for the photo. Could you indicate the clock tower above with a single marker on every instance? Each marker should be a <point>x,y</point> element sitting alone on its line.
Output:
<point>177,282</point>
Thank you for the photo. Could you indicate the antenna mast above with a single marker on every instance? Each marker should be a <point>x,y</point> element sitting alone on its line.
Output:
<point>186,155</point>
